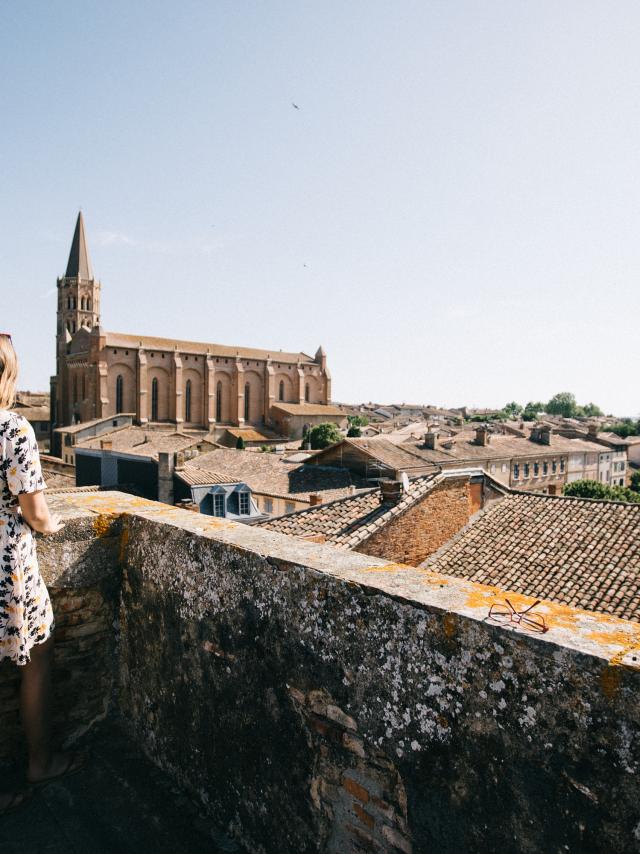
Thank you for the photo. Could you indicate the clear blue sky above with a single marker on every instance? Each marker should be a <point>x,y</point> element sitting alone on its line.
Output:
<point>462,180</point>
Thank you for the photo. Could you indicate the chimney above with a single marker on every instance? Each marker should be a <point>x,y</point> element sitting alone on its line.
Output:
<point>106,444</point>
<point>592,431</point>
<point>315,498</point>
<point>179,460</point>
<point>165,477</point>
<point>430,440</point>
<point>541,434</point>
<point>391,491</point>
<point>483,437</point>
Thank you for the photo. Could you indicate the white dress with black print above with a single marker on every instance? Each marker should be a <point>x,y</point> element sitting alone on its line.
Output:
<point>26,617</point>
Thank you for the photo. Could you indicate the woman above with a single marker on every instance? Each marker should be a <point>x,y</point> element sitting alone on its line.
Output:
<point>26,618</point>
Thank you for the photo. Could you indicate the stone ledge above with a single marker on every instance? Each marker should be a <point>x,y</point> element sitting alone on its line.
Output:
<point>98,516</point>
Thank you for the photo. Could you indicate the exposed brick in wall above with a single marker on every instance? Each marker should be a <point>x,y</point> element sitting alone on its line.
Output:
<point>416,534</point>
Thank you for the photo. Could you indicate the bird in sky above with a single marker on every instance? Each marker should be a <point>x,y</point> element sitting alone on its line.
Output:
<point>295,106</point>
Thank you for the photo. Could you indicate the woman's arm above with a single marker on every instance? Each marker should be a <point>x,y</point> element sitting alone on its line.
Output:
<point>36,513</point>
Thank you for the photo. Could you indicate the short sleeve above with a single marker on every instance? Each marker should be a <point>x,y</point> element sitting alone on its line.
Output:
<point>22,458</point>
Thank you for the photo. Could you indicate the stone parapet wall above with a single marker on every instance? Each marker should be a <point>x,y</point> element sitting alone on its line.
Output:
<point>314,699</point>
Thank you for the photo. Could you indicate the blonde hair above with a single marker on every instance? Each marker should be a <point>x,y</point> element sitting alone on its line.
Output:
<point>8,372</point>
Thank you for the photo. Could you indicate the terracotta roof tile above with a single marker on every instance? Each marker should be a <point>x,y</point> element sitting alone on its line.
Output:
<point>349,521</point>
<point>268,474</point>
<point>119,339</point>
<point>575,551</point>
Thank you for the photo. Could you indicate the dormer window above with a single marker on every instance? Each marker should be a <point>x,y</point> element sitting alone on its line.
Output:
<point>243,504</point>
<point>218,503</point>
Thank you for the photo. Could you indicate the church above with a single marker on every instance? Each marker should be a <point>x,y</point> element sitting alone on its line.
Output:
<point>164,382</point>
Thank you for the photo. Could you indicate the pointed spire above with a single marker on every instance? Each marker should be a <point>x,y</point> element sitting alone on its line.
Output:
<point>79,264</point>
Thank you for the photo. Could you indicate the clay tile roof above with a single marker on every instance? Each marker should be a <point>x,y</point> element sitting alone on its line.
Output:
<point>349,521</point>
<point>148,342</point>
<point>308,409</point>
<point>580,552</point>
<point>144,443</point>
<point>391,455</point>
<point>267,474</point>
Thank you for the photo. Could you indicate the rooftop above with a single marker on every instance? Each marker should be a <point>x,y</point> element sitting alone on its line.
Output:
<point>580,552</point>
<point>145,443</point>
<point>463,447</point>
<point>308,408</point>
<point>350,521</point>
<point>148,342</point>
<point>267,474</point>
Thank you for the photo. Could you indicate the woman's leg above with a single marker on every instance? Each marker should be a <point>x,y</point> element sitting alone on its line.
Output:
<point>35,708</point>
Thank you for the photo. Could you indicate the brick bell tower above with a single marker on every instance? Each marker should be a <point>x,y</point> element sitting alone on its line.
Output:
<point>78,309</point>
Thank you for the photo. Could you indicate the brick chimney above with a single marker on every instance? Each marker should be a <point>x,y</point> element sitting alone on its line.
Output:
<point>179,460</point>
<point>483,437</point>
<point>106,444</point>
<point>391,491</point>
<point>592,431</point>
<point>315,498</point>
<point>541,434</point>
<point>430,440</point>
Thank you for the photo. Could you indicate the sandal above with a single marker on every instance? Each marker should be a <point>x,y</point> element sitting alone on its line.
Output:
<point>74,764</point>
<point>17,800</point>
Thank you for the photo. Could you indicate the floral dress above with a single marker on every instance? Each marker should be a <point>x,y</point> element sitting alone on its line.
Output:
<point>26,617</point>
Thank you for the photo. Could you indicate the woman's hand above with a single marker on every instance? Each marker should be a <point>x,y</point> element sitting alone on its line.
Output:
<point>35,512</point>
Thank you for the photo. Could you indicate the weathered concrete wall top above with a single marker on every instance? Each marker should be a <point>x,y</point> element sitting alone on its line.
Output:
<point>317,699</point>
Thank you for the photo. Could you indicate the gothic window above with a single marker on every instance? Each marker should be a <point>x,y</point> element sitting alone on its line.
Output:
<point>88,303</point>
<point>82,303</point>
<point>247,401</point>
<point>154,399</point>
<point>307,392</point>
<point>219,402</point>
<point>119,392</point>
<point>281,390</point>
<point>187,402</point>
<point>73,326</point>
<point>84,387</point>
<point>75,389</point>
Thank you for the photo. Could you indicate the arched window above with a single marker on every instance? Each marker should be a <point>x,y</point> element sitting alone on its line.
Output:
<point>119,393</point>
<point>82,303</point>
<point>219,402</point>
<point>247,400</point>
<point>307,393</point>
<point>88,303</point>
<point>281,390</point>
<point>75,388</point>
<point>187,402</point>
<point>73,327</point>
<point>68,303</point>
<point>84,387</point>
<point>154,399</point>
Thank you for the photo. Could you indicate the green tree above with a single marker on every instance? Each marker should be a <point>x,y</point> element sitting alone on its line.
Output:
<point>239,444</point>
<point>323,435</point>
<point>592,410</point>
<point>635,481</point>
<point>513,409</point>
<point>563,403</point>
<point>625,428</point>
<point>601,491</point>
<point>532,411</point>
<point>357,420</point>
<point>354,432</point>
